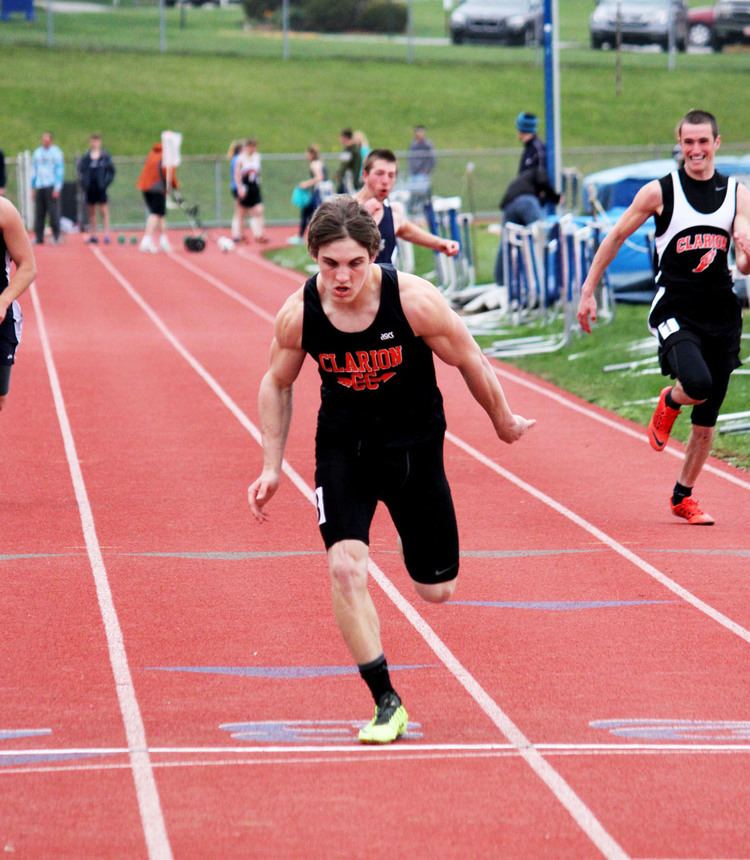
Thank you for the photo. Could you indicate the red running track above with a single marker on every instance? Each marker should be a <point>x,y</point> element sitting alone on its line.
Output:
<point>173,682</point>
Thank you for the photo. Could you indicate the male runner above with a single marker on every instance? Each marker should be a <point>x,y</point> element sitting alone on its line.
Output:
<point>695,315</point>
<point>14,248</point>
<point>372,331</point>
<point>379,176</point>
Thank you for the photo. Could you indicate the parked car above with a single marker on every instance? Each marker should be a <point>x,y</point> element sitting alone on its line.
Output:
<point>640,22</point>
<point>731,22</point>
<point>512,22</point>
<point>701,26</point>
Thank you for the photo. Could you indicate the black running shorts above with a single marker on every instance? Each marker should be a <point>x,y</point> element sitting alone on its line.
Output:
<point>10,334</point>
<point>350,480</point>
<point>703,365</point>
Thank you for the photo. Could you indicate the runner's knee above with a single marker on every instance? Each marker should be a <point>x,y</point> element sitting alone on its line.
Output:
<point>438,592</point>
<point>347,566</point>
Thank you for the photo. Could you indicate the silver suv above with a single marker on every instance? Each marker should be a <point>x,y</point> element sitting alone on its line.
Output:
<point>731,22</point>
<point>639,22</point>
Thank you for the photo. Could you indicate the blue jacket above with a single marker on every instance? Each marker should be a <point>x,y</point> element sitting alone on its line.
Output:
<point>47,168</point>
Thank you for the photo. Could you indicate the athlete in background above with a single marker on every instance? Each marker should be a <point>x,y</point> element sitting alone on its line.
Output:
<point>372,331</point>
<point>695,315</point>
<point>15,249</point>
<point>379,176</point>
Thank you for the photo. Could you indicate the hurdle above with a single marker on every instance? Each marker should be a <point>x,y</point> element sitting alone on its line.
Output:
<point>445,219</point>
<point>546,264</point>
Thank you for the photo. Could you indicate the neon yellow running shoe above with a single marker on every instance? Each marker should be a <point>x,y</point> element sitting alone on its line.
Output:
<point>390,721</point>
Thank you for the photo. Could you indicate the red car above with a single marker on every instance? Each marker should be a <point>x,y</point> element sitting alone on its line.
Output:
<point>701,27</point>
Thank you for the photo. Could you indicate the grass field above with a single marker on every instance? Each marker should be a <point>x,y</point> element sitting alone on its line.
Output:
<point>219,81</point>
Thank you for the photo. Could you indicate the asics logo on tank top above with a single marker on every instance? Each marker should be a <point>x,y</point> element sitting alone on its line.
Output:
<point>362,370</point>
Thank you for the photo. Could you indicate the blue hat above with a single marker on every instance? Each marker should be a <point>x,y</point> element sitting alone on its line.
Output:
<point>527,123</point>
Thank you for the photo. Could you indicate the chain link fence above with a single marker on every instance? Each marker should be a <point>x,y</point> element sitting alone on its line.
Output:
<point>478,176</point>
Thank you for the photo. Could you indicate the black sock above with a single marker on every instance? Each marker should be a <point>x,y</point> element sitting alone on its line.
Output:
<point>673,404</point>
<point>680,492</point>
<point>375,675</point>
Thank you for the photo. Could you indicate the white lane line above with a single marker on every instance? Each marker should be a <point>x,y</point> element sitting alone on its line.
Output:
<point>224,288</point>
<point>609,422</point>
<point>581,814</point>
<point>149,805</point>
<point>604,538</point>
<point>403,747</point>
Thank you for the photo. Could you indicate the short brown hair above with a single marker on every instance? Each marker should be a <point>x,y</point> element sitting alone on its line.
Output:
<point>699,117</point>
<point>378,155</point>
<point>342,217</point>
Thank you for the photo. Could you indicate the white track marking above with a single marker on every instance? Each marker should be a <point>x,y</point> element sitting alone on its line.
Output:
<point>220,285</point>
<point>581,814</point>
<point>604,538</point>
<point>408,748</point>
<point>152,819</point>
<point>609,422</point>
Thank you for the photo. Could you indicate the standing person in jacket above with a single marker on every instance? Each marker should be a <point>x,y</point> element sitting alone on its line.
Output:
<point>695,316</point>
<point>350,164</point>
<point>249,197</point>
<point>534,152</point>
<point>14,248</point>
<point>422,162</point>
<point>155,182</point>
<point>318,174</point>
<point>96,171</point>
<point>235,148</point>
<point>373,332</point>
<point>47,176</point>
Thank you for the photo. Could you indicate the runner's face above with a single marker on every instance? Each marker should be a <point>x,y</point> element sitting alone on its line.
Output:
<point>698,146</point>
<point>344,266</point>
<point>380,178</point>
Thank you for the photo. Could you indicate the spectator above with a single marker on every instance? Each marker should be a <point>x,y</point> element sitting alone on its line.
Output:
<point>249,198</point>
<point>154,182</point>
<point>233,154</point>
<point>534,152</point>
<point>3,178</point>
<point>350,167</point>
<point>422,162</point>
<point>96,172</point>
<point>47,173</point>
<point>526,196</point>
<point>318,174</point>
<point>360,138</point>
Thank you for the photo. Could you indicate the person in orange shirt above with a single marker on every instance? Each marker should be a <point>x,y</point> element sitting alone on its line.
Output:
<point>155,182</point>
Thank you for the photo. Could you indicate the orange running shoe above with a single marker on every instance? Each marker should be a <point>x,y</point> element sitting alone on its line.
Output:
<point>660,425</point>
<point>689,510</point>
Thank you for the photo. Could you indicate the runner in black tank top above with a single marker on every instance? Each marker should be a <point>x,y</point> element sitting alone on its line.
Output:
<point>695,314</point>
<point>372,332</point>
<point>15,248</point>
<point>379,174</point>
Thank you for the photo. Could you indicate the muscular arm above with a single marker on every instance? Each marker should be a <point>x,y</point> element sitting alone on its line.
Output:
<point>443,331</point>
<point>20,251</point>
<point>275,401</point>
<point>410,232</point>
<point>646,203</point>
<point>741,233</point>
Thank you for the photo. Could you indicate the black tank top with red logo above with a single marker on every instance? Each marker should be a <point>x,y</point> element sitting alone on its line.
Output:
<point>378,385</point>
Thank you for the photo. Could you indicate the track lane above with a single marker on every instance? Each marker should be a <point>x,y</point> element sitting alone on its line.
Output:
<point>514,502</point>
